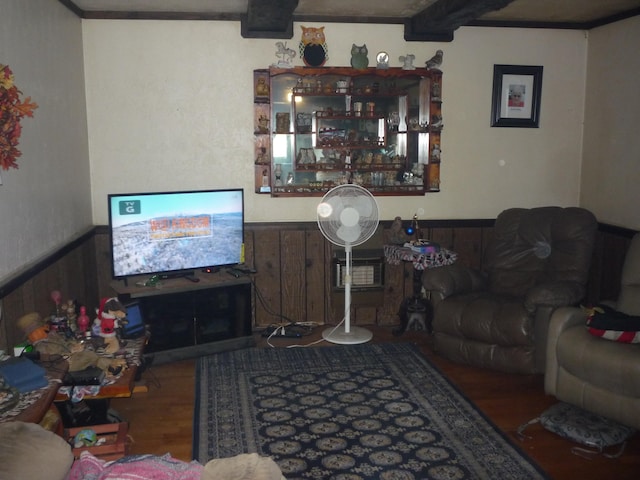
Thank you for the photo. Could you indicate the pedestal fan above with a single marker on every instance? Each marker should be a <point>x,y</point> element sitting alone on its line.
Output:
<point>347,217</point>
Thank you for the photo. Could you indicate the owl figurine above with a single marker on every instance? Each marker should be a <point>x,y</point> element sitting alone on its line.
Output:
<point>434,62</point>
<point>313,47</point>
<point>359,59</point>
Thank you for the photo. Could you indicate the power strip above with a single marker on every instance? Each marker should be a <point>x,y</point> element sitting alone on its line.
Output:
<point>287,331</point>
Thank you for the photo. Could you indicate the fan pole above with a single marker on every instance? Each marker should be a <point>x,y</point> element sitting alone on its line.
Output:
<point>347,289</point>
<point>347,335</point>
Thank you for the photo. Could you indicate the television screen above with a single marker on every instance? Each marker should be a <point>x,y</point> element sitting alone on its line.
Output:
<point>175,231</point>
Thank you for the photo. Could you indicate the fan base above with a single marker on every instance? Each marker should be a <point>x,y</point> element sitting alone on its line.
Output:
<point>354,336</point>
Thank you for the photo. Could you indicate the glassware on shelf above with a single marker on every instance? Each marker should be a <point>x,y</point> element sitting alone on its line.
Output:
<point>278,175</point>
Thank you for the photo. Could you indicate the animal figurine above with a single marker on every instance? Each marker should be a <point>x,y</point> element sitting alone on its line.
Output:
<point>285,55</point>
<point>262,87</point>
<point>359,59</point>
<point>313,46</point>
<point>397,234</point>
<point>72,316</point>
<point>434,62</point>
<point>407,61</point>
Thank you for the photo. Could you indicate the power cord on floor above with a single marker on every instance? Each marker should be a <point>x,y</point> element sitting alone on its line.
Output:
<point>287,322</point>
<point>266,307</point>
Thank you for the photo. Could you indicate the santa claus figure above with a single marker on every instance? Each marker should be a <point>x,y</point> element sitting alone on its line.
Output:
<point>110,312</point>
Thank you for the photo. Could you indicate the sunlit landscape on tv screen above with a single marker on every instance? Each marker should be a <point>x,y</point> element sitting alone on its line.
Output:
<point>166,232</point>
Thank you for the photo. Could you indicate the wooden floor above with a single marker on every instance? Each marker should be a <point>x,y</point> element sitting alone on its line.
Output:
<point>161,419</point>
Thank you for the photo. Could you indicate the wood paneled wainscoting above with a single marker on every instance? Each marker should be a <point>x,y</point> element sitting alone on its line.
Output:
<point>71,269</point>
<point>295,279</point>
<point>295,274</point>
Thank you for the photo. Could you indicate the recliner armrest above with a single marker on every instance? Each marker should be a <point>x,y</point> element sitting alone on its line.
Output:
<point>554,295</point>
<point>453,279</point>
<point>561,320</point>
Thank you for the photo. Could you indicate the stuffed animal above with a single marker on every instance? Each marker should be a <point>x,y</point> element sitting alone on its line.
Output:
<point>109,314</point>
<point>33,326</point>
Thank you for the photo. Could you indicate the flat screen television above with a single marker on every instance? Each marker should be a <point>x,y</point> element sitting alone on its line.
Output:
<point>175,232</point>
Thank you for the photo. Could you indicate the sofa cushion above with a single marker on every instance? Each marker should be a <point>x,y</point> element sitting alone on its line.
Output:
<point>609,366</point>
<point>539,245</point>
<point>29,451</point>
<point>486,318</point>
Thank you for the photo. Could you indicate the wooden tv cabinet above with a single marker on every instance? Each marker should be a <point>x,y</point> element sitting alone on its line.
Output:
<point>188,319</point>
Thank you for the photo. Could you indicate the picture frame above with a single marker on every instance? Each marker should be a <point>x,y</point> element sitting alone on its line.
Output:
<point>517,91</point>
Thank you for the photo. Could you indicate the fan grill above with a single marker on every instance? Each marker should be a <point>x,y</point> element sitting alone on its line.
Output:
<point>348,214</point>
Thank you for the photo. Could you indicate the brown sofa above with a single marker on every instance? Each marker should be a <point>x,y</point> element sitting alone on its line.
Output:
<point>599,375</point>
<point>537,261</point>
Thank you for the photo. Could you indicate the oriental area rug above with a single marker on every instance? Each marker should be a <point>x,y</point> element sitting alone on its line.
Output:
<point>373,411</point>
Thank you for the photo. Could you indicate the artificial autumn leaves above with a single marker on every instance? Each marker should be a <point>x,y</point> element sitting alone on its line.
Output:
<point>12,110</point>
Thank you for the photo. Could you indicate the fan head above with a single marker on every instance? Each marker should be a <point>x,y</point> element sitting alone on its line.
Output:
<point>348,215</point>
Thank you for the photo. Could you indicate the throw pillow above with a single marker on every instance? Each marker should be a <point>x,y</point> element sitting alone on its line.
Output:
<point>608,323</point>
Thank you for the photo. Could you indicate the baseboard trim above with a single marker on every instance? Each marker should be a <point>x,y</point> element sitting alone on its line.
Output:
<point>184,353</point>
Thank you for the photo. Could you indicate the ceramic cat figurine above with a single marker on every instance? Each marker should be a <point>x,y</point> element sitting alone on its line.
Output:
<point>359,59</point>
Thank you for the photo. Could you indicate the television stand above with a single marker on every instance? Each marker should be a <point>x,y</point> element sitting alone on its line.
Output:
<point>187,320</point>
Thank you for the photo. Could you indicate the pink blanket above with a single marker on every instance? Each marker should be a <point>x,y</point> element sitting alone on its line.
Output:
<point>134,467</point>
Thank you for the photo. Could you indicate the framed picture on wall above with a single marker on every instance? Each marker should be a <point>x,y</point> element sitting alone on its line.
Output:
<point>516,96</point>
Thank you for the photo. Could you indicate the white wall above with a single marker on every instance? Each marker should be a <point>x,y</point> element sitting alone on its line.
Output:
<point>611,165</point>
<point>47,201</point>
<point>170,107</point>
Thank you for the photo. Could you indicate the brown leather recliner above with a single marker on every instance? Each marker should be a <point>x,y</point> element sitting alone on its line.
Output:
<point>598,375</point>
<point>537,261</point>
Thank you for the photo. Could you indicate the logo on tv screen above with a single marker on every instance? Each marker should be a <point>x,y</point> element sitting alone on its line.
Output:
<point>129,207</point>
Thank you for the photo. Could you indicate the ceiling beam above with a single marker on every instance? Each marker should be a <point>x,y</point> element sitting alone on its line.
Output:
<point>268,19</point>
<point>438,22</point>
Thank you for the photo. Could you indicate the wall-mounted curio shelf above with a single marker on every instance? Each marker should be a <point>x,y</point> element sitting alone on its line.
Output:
<point>316,128</point>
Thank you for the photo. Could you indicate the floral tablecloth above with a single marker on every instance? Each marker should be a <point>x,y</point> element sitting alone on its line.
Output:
<point>394,254</point>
